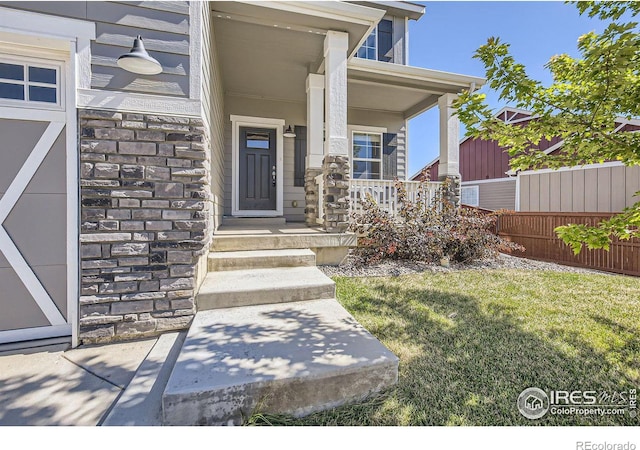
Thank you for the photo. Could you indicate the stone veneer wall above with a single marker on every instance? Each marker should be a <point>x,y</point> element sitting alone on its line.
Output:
<point>337,173</point>
<point>311,196</point>
<point>145,222</point>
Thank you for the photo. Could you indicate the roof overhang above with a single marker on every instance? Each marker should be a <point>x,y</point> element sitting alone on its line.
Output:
<point>410,10</point>
<point>316,17</point>
<point>266,49</point>
<point>375,85</point>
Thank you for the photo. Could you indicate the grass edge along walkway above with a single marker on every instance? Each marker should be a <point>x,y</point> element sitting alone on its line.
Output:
<point>470,342</point>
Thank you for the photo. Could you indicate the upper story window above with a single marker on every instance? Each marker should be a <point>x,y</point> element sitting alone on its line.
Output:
<point>379,44</point>
<point>369,49</point>
<point>29,83</point>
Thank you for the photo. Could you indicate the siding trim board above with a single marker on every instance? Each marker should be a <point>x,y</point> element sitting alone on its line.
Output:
<point>140,103</point>
<point>564,169</point>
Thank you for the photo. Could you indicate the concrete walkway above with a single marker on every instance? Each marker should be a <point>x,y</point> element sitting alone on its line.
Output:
<point>74,387</point>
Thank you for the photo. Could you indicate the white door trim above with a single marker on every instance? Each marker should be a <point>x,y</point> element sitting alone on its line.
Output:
<point>258,122</point>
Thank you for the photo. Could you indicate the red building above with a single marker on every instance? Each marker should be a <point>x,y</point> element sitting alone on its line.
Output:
<point>489,182</point>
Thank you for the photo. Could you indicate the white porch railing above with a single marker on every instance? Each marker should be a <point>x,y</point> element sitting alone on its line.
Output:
<point>385,193</point>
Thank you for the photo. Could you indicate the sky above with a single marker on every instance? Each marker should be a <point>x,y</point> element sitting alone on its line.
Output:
<point>450,32</point>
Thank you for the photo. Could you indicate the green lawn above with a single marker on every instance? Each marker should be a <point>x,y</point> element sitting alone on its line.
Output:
<point>470,341</point>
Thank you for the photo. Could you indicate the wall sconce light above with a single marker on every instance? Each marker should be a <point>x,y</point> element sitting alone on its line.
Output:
<point>139,61</point>
<point>289,133</point>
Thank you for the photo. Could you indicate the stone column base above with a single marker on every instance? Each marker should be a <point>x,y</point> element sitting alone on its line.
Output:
<point>312,194</point>
<point>452,194</point>
<point>337,173</point>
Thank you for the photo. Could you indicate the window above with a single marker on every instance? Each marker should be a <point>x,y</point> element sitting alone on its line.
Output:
<point>470,195</point>
<point>379,44</point>
<point>369,49</point>
<point>367,155</point>
<point>258,140</point>
<point>33,83</point>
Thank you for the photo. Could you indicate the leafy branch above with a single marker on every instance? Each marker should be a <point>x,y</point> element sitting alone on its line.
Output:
<point>584,106</point>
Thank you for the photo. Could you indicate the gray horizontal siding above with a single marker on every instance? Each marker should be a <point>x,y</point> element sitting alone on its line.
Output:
<point>74,10</point>
<point>496,195</point>
<point>138,17</point>
<point>176,7</point>
<point>164,27</point>
<point>213,99</point>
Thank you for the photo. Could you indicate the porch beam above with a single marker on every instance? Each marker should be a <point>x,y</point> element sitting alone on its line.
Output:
<point>315,120</point>
<point>336,44</point>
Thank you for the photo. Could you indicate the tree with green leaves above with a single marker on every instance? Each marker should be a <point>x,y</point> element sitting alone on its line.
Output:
<point>580,106</point>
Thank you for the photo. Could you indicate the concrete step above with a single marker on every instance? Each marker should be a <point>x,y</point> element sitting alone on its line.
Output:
<point>294,358</point>
<point>141,402</point>
<point>263,286</point>
<point>231,243</point>
<point>261,259</point>
<point>249,221</point>
<point>330,248</point>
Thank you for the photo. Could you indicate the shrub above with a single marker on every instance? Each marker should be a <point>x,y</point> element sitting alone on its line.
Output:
<point>425,230</point>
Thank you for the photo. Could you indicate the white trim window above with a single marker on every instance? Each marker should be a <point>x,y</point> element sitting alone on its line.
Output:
<point>369,49</point>
<point>366,155</point>
<point>470,195</point>
<point>26,82</point>
<point>379,44</point>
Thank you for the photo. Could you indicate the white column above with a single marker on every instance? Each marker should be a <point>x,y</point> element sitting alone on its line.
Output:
<point>315,120</point>
<point>336,44</point>
<point>449,138</point>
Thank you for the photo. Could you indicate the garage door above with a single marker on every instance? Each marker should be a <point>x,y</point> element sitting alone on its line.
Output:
<point>33,200</point>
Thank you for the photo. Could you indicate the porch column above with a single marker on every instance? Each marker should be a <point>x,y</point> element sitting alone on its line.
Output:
<point>315,114</point>
<point>336,168</point>
<point>315,146</point>
<point>449,167</point>
<point>335,94</point>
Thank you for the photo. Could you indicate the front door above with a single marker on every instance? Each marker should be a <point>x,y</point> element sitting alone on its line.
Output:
<point>258,174</point>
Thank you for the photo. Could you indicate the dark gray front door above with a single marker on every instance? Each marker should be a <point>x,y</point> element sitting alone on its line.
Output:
<point>257,169</point>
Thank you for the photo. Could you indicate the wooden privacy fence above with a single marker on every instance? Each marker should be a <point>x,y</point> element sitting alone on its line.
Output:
<point>534,230</point>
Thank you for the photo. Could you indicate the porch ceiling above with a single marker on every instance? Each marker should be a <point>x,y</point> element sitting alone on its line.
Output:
<point>266,49</point>
<point>375,85</point>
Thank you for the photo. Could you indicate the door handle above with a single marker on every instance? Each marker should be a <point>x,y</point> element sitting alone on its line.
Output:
<point>273,175</point>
